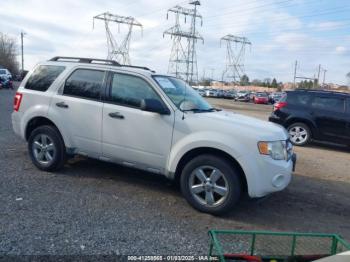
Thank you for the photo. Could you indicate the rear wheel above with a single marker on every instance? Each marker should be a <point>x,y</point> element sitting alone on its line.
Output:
<point>299,134</point>
<point>210,184</point>
<point>46,148</point>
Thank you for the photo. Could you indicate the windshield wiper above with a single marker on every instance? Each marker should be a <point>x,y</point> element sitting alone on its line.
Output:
<point>199,110</point>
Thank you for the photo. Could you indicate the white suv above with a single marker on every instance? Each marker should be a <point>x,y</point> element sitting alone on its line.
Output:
<point>134,117</point>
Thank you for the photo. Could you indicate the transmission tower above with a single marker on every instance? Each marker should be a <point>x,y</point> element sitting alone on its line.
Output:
<point>119,52</point>
<point>183,58</point>
<point>235,52</point>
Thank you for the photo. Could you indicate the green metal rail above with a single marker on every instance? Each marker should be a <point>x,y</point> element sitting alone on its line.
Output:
<point>337,243</point>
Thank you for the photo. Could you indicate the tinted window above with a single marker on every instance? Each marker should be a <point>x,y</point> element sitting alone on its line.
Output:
<point>130,90</point>
<point>43,76</point>
<point>348,105</point>
<point>299,99</point>
<point>328,103</point>
<point>2,72</point>
<point>84,83</point>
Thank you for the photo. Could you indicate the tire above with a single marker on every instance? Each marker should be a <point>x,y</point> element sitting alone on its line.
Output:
<point>299,134</point>
<point>216,203</point>
<point>46,148</point>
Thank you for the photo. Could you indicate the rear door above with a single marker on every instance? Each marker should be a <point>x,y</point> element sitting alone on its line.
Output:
<point>77,108</point>
<point>330,116</point>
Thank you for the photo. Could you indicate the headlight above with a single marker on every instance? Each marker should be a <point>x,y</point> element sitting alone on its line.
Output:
<point>278,150</point>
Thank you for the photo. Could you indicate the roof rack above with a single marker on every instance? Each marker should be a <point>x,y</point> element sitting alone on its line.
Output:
<point>322,90</point>
<point>85,60</point>
<point>95,61</point>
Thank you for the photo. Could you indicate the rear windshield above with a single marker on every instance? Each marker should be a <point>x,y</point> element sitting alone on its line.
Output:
<point>43,76</point>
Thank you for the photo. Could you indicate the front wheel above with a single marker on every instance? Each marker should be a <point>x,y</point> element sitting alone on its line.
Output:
<point>299,134</point>
<point>210,184</point>
<point>46,148</point>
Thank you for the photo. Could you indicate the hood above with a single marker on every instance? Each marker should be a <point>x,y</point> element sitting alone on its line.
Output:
<point>230,121</point>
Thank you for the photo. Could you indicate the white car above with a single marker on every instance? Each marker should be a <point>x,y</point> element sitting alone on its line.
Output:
<point>138,118</point>
<point>4,73</point>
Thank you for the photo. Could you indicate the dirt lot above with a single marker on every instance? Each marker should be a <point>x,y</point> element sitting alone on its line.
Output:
<point>92,207</point>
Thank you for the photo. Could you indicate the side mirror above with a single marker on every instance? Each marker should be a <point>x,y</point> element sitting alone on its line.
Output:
<point>154,105</point>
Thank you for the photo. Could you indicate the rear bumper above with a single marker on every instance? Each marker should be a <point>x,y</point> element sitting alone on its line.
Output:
<point>16,124</point>
<point>275,119</point>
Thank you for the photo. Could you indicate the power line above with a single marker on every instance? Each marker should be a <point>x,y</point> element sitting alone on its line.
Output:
<point>333,11</point>
<point>240,11</point>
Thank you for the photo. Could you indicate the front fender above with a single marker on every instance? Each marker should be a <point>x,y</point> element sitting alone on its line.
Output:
<point>208,139</point>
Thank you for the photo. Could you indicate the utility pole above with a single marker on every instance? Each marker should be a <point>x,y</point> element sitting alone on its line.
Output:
<point>183,61</point>
<point>119,52</point>
<point>318,74</point>
<point>234,56</point>
<point>193,32</point>
<point>22,54</point>
<point>295,72</point>
<point>324,76</point>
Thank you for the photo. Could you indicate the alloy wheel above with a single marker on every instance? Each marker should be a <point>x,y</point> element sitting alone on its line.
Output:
<point>298,134</point>
<point>208,186</point>
<point>44,149</point>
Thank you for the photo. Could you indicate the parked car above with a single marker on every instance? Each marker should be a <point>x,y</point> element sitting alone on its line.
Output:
<point>252,96</point>
<point>4,73</point>
<point>220,93</point>
<point>314,115</point>
<point>230,94</point>
<point>6,82</point>
<point>261,98</point>
<point>137,118</point>
<point>201,92</point>
<point>211,93</point>
<point>243,96</point>
<point>275,97</point>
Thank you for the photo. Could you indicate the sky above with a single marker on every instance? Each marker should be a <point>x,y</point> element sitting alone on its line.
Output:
<point>313,32</point>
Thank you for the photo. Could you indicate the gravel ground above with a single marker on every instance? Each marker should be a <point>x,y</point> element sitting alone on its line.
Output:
<point>92,207</point>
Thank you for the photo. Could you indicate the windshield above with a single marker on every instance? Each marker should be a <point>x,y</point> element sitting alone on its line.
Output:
<point>182,95</point>
<point>2,72</point>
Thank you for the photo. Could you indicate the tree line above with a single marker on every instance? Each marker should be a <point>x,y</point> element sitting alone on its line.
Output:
<point>8,53</point>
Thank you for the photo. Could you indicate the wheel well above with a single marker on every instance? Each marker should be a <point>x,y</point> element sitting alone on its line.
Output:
<point>301,120</point>
<point>36,122</point>
<point>213,151</point>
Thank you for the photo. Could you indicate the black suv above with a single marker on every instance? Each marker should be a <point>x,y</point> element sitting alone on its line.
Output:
<point>314,114</point>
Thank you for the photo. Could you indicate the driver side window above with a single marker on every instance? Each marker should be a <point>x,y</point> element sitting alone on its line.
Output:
<point>129,90</point>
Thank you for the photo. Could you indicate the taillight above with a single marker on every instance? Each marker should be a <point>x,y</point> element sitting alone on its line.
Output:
<point>17,101</point>
<point>279,105</point>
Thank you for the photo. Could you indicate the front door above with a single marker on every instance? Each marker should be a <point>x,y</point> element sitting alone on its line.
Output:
<point>131,136</point>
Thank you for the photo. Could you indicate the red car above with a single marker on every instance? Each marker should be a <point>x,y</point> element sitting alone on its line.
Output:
<point>261,98</point>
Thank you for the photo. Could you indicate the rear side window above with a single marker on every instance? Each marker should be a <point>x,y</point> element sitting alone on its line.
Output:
<point>43,76</point>
<point>332,104</point>
<point>85,83</point>
<point>299,99</point>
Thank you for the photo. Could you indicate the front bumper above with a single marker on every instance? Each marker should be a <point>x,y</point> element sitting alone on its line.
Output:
<point>266,175</point>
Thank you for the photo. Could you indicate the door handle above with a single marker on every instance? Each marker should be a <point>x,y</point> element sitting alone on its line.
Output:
<point>62,105</point>
<point>116,115</point>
